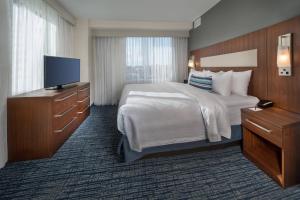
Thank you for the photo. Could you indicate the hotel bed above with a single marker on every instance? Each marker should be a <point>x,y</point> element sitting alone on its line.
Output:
<point>155,118</point>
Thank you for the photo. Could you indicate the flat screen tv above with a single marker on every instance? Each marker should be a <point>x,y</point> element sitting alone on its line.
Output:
<point>60,71</point>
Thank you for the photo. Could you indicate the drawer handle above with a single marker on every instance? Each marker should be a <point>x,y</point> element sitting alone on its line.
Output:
<point>62,99</point>
<point>81,90</point>
<point>83,100</point>
<point>84,110</point>
<point>66,126</point>
<point>64,113</point>
<point>258,126</point>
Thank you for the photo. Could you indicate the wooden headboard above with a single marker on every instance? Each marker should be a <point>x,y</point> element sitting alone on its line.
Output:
<point>265,81</point>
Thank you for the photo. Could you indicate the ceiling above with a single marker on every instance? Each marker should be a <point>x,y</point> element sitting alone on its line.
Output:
<point>138,10</point>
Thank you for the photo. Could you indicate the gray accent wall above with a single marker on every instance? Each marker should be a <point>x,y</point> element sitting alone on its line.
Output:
<point>233,18</point>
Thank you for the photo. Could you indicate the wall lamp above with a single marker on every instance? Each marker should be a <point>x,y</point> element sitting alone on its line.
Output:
<point>284,55</point>
<point>191,64</point>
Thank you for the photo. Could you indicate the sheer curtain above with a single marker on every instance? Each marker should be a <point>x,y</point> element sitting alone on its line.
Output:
<point>179,58</point>
<point>38,30</point>
<point>121,60</point>
<point>155,59</point>
<point>65,38</point>
<point>109,59</point>
<point>5,73</point>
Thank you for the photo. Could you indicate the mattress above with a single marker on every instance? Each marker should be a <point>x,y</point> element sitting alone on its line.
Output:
<point>235,103</point>
<point>167,113</point>
<point>152,115</point>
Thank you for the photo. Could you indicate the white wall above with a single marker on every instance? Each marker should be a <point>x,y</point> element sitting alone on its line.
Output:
<point>141,25</point>
<point>90,66</point>
<point>82,48</point>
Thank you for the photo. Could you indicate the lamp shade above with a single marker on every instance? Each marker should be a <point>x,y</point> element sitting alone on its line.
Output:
<point>191,63</point>
<point>283,57</point>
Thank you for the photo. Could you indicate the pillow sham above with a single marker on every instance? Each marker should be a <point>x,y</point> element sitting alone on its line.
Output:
<point>201,82</point>
<point>240,82</point>
<point>221,83</point>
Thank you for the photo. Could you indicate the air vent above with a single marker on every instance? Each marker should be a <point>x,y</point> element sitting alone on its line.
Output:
<point>197,22</point>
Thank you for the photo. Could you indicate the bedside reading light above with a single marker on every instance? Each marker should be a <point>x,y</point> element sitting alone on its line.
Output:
<point>191,64</point>
<point>284,55</point>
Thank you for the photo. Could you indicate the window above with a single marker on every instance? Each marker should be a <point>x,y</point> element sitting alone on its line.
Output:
<point>148,59</point>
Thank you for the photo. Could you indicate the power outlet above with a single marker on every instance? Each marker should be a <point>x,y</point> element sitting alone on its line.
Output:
<point>285,71</point>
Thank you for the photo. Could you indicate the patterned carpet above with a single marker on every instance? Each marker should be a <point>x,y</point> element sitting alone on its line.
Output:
<point>87,167</point>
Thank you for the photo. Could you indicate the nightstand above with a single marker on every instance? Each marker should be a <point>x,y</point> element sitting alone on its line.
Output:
<point>271,139</point>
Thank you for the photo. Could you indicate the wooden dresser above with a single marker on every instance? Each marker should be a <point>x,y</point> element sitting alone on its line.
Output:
<point>271,139</point>
<point>39,122</point>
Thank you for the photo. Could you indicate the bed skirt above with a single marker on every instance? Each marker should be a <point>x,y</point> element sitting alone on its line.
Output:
<point>130,155</point>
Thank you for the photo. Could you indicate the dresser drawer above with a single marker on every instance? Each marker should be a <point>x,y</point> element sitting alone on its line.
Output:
<point>82,115</point>
<point>62,119</point>
<point>83,104</point>
<point>67,127</point>
<point>266,130</point>
<point>83,93</point>
<point>65,102</point>
<point>59,136</point>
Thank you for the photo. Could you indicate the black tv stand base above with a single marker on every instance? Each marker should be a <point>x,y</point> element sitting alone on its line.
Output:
<point>59,87</point>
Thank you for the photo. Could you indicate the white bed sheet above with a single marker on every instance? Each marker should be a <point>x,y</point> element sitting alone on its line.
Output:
<point>168,113</point>
<point>235,103</point>
<point>139,102</point>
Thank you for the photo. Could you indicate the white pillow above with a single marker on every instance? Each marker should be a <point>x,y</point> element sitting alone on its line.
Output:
<point>221,83</point>
<point>240,82</point>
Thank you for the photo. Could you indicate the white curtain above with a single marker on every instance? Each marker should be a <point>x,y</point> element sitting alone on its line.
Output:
<point>65,38</point>
<point>5,73</point>
<point>108,71</point>
<point>38,30</point>
<point>155,59</point>
<point>122,60</point>
<point>180,58</point>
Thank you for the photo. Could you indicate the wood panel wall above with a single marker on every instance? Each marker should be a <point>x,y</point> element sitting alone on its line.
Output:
<point>265,81</point>
<point>284,91</point>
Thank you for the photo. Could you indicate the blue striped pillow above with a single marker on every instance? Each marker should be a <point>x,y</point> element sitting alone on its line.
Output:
<point>204,83</point>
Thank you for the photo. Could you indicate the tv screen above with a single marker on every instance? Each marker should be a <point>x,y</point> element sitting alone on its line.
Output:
<point>60,71</point>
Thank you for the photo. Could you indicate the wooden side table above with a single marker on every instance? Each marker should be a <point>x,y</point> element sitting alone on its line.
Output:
<point>271,139</point>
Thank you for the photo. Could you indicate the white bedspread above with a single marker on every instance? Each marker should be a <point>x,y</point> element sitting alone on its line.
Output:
<point>160,114</point>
